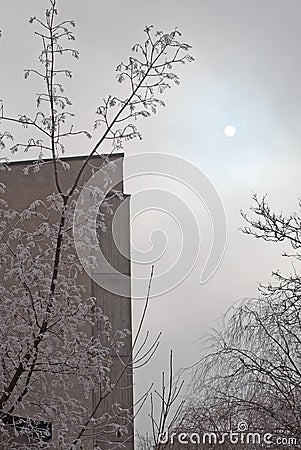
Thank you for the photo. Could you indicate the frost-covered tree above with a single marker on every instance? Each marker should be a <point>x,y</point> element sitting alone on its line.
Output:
<point>50,363</point>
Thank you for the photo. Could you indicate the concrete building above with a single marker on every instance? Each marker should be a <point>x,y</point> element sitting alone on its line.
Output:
<point>24,189</point>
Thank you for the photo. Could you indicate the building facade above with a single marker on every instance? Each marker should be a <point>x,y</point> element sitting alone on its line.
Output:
<point>21,190</point>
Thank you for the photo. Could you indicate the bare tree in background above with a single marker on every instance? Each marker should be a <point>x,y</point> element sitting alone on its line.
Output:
<point>165,409</point>
<point>44,313</point>
<point>251,371</point>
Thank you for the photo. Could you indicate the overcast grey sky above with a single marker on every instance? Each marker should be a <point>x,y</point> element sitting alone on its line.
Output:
<point>247,72</point>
